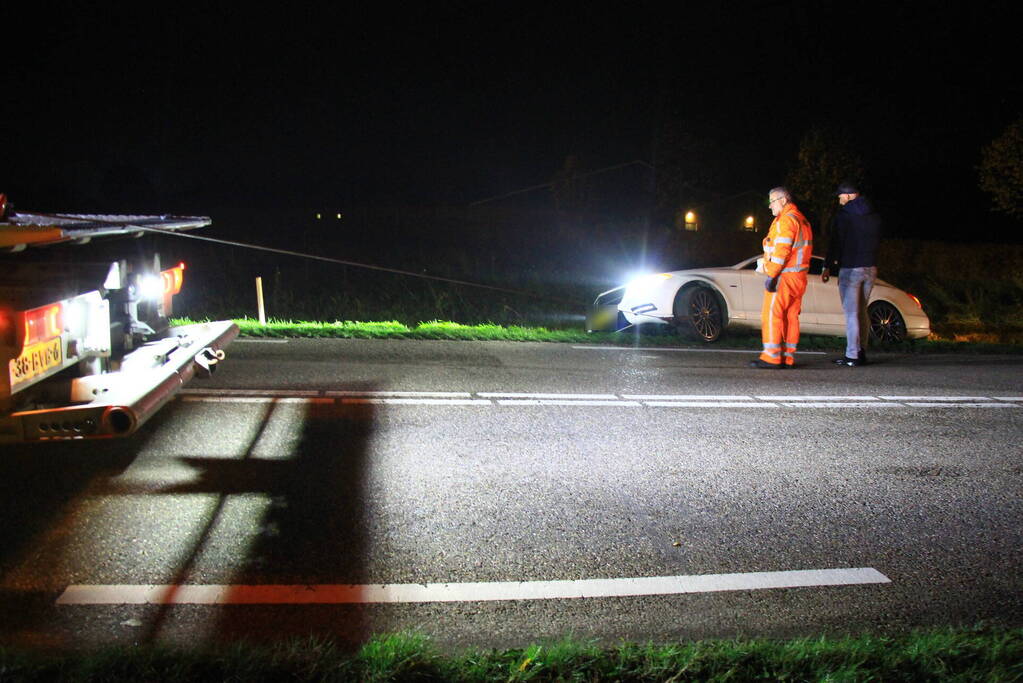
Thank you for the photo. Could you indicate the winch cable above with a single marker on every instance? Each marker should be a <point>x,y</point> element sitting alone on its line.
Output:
<point>327,259</point>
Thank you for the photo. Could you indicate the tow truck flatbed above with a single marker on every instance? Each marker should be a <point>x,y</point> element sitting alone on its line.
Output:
<point>86,345</point>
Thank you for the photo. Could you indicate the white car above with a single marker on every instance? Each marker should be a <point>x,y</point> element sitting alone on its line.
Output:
<point>702,302</point>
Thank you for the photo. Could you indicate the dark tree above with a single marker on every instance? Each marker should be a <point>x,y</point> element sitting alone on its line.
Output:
<point>825,159</point>
<point>1001,170</point>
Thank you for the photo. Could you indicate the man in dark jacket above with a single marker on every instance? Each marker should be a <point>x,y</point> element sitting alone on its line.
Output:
<point>853,253</point>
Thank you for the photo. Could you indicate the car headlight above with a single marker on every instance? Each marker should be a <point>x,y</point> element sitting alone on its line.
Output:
<point>646,282</point>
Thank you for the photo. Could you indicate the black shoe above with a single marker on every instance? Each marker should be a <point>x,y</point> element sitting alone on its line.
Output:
<point>763,365</point>
<point>852,362</point>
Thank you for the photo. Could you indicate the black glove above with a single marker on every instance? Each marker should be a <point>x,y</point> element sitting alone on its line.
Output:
<point>771,284</point>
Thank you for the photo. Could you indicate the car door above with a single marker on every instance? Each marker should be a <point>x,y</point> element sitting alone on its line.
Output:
<point>752,291</point>
<point>830,318</point>
<point>815,299</point>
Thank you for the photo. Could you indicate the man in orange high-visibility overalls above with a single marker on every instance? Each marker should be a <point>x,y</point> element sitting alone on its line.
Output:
<point>787,251</point>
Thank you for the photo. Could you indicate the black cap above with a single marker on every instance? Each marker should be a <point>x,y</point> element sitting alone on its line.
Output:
<point>847,188</point>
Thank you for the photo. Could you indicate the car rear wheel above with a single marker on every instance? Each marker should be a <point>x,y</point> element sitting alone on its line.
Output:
<point>886,323</point>
<point>699,314</point>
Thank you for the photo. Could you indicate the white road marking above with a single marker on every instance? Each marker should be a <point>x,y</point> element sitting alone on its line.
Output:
<point>229,399</point>
<point>295,399</point>
<point>415,401</point>
<point>461,592</point>
<point>590,347</point>
<point>708,404</point>
<point>818,398</point>
<point>845,404</point>
<point>912,404</point>
<point>683,397</point>
<point>257,399</point>
<point>935,398</point>
<point>512,399</point>
<point>251,392</point>
<point>401,395</point>
<point>558,402</point>
<point>487,394</point>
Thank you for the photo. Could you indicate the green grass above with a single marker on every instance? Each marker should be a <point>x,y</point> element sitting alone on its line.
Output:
<point>966,654</point>
<point>950,342</point>
<point>393,329</point>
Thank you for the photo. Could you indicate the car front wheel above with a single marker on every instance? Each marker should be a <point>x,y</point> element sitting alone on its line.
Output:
<point>699,314</point>
<point>886,323</point>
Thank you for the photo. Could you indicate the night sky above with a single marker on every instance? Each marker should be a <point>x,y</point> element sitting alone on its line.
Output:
<point>196,110</point>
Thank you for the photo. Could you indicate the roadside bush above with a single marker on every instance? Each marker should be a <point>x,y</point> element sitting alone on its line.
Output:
<point>964,288</point>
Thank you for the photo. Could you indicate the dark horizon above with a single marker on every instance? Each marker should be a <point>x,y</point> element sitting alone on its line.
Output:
<point>219,110</point>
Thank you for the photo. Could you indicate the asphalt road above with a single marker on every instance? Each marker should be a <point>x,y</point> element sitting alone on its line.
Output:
<point>335,478</point>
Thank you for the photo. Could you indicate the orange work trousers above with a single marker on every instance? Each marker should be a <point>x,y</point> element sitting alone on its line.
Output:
<point>779,319</point>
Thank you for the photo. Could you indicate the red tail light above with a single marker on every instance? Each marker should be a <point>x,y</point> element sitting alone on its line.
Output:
<point>172,279</point>
<point>6,328</point>
<point>916,300</point>
<point>43,323</point>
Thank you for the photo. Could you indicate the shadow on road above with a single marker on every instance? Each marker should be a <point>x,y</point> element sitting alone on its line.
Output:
<point>40,485</point>
<point>311,530</point>
<point>315,530</point>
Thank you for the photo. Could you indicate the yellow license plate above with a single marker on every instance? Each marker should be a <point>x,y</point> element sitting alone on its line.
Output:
<point>36,360</point>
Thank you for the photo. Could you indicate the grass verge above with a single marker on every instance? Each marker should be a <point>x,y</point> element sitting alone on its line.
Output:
<point>441,330</point>
<point>971,654</point>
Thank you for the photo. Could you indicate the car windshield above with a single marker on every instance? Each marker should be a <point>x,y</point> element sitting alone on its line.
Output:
<point>816,264</point>
<point>751,264</point>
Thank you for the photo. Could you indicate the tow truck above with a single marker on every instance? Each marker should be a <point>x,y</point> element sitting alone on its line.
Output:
<point>86,346</point>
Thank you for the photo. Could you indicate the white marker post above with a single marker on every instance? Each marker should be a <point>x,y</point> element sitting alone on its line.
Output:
<point>259,301</point>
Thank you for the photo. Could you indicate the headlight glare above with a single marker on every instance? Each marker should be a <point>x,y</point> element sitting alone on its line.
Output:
<point>648,281</point>
<point>151,287</point>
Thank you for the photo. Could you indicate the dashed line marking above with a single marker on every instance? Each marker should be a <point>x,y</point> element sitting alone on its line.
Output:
<point>398,394</point>
<point>566,402</point>
<point>592,397</point>
<point>818,398</point>
<point>936,398</point>
<point>272,393</point>
<point>845,404</point>
<point>415,401</point>
<point>461,592</point>
<point>914,404</point>
<point>709,404</point>
<point>519,399</point>
<point>677,397</point>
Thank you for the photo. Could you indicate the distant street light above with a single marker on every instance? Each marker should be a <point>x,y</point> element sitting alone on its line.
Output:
<point>691,221</point>
<point>750,223</point>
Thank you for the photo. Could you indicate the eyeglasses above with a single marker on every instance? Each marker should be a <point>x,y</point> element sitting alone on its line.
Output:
<point>772,201</point>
